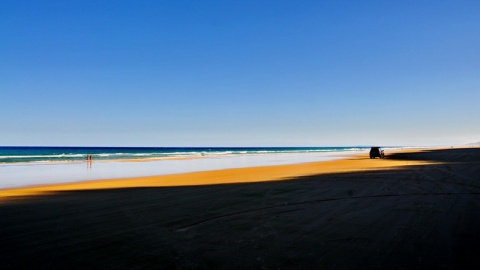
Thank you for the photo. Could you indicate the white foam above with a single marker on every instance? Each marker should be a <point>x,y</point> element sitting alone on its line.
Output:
<point>43,156</point>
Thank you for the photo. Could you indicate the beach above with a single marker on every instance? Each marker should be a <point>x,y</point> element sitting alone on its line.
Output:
<point>411,210</point>
<point>39,166</point>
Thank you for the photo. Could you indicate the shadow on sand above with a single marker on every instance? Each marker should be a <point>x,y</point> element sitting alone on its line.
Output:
<point>417,217</point>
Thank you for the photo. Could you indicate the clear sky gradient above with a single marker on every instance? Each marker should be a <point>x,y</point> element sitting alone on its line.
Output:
<point>239,73</point>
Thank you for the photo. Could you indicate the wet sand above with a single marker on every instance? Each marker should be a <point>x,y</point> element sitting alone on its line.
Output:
<point>409,211</point>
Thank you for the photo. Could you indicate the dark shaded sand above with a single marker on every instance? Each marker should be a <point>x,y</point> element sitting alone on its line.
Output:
<point>412,217</point>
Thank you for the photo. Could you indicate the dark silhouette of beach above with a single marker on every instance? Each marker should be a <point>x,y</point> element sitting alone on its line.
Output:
<point>413,217</point>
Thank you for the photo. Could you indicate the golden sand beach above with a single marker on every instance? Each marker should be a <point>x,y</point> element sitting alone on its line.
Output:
<point>412,210</point>
<point>225,176</point>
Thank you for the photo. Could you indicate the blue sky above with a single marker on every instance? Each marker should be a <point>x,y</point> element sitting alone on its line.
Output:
<point>239,73</point>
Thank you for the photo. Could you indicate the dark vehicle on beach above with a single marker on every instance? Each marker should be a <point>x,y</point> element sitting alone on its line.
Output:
<point>376,152</point>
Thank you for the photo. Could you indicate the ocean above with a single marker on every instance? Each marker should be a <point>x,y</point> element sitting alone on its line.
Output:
<point>13,154</point>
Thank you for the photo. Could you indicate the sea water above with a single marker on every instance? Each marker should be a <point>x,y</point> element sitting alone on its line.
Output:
<point>27,166</point>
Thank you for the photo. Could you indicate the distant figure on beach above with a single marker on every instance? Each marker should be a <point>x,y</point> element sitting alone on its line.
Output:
<point>89,161</point>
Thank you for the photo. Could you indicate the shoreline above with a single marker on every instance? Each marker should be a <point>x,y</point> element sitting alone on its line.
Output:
<point>412,210</point>
<point>32,174</point>
<point>351,163</point>
<point>58,154</point>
